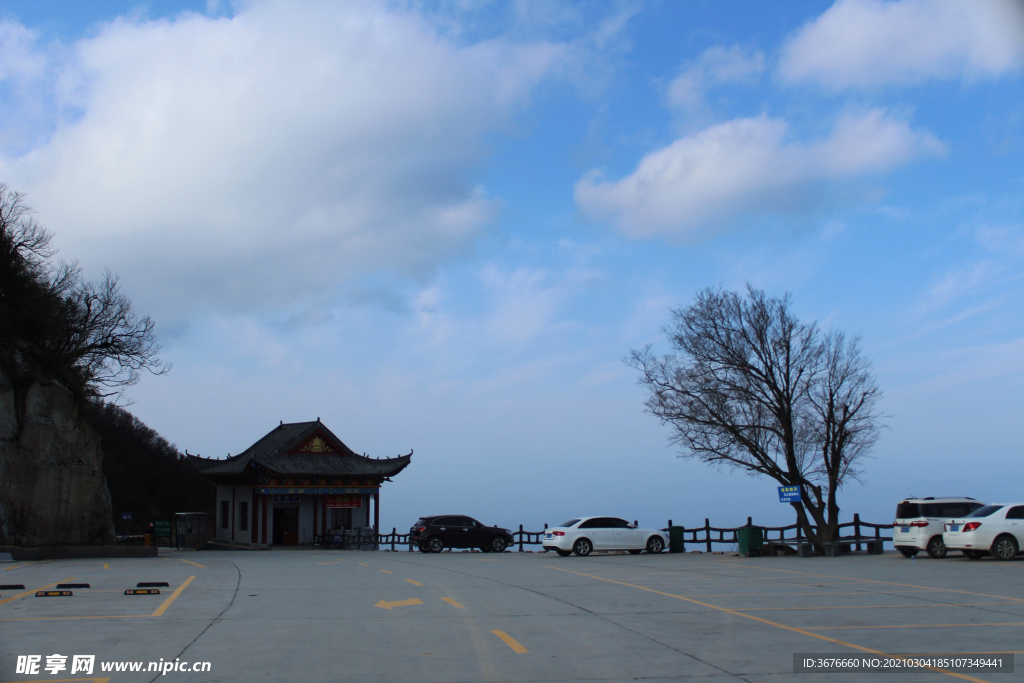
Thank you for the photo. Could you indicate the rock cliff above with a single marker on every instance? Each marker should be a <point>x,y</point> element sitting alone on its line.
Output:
<point>52,488</point>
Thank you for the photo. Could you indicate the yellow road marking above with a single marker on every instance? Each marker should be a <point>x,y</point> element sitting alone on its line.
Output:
<point>198,565</point>
<point>384,604</point>
<point>172,597</point>
<point>329,562</point>
<point>385,571</point>
<point>831,628</point>
<point>16,566</point>
<point>106,565</point>
<point>32,592</point>
<point>365,565</point>
<point>767,622</point>
<point>511,642</point>
<point>884,583</point>
<point>415,583</point>
<point>970,604</point>
<point>453,603</point>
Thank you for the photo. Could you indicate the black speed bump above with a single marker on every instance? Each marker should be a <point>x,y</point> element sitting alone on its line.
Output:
<point>73,585</point>
<point>53,594</point>
<point>12,586</point>
<point>142,591</point>
<point>152,584</point>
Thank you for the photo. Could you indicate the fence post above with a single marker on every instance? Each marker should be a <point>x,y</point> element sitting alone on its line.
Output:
<point>670,524</point>
<point>394,535</point>
<point>520,538</point>
<point>707,532</point>
<point>856,527</point>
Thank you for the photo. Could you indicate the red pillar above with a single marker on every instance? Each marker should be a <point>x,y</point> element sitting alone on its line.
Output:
<point>253,518</point>
<point>264,524</point>
<point>376,512</point>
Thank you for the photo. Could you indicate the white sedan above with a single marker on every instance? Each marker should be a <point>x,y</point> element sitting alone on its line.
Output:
<point>993,529</point>
<point>584,535</point>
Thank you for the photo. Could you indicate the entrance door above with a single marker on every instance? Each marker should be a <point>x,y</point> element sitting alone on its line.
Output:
<point>290,529</point>
<point>286,526</point>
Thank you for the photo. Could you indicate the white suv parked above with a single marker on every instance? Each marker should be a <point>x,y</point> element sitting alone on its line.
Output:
<point>920,522</point>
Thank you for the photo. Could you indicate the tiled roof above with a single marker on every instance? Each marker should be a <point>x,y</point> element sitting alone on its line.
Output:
<point>271,454</point>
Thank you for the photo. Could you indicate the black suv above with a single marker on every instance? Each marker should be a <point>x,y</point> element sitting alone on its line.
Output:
<point>434,534</point>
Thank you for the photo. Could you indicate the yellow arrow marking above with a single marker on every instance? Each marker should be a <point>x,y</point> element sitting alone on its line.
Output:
<point>198,565</point>
<point>365,565</point>
<point>453,603</point>
<point>385,571</point>
<point>398,603</point>
<point>511,642</point>
<point>415,583</point>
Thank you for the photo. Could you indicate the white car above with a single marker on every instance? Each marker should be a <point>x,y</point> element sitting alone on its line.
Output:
<point>920,523</point>
<point>584,535</point>
<point>996,529</point>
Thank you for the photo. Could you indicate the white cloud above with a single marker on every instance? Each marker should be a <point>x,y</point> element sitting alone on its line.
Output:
<point>714,66</point>
<point>261,158</point>
<point>863,43</point>
<point>742,168</point>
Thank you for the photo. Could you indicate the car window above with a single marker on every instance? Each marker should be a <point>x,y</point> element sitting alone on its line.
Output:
<point>443,521</point>
<point>420,522</point>
<point>595,523</point>
<point>566,525</point>
<point>617,523</point>
<point>957,509</point>
<point>931,510</point>
<point>986,511</point>
<point>908,510</point>
<point>1016,512</point>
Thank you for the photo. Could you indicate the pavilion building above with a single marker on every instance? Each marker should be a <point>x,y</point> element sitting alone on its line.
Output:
<point>297,483</point>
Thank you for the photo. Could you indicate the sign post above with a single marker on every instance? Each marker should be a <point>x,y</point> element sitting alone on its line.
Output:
<point>789,494</point>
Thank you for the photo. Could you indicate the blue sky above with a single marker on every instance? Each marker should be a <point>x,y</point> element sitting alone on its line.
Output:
<point>441,226</point>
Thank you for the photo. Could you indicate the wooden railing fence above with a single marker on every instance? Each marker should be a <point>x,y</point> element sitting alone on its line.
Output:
<point>706,536</point>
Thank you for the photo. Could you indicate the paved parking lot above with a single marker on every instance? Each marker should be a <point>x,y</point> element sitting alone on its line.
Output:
<point>308,615</point>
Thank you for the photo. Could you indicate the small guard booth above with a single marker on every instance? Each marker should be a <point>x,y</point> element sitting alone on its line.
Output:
<point>295,485</point>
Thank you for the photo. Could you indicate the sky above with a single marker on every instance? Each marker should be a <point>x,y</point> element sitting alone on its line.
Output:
<point>440,227</point>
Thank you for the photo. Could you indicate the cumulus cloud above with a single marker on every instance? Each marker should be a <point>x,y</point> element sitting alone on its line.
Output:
<point>714,66</point>
<point>745,168</point>
<point>263,157</point>
<point>863,43</point>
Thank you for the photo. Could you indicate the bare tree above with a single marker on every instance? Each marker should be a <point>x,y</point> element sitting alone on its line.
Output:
<point>750,387</point>
<point>86,334</point>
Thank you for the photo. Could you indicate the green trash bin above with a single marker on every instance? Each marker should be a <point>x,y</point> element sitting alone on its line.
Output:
<point>675,540</point>
<point>751,540</point>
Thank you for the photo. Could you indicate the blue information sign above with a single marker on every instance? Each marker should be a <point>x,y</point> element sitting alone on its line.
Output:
<point>789,494</point>
<point>126,516</point>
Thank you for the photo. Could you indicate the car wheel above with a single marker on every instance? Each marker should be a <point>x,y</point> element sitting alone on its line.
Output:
<point>655,544</point>
<point>563,553</point>
<point>582,547</point>
<point>634,552</point>
<point>422,548</point>
<point>1004,548</point>
<point>435,544</point>
<point>936,548</point>
<point>907,552</point>
<point>498,545</point>
<point>973,554</point>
